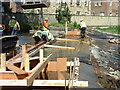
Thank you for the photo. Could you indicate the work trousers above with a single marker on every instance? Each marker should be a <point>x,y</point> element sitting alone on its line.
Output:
<point>13,31</point>
<point>83,30</point>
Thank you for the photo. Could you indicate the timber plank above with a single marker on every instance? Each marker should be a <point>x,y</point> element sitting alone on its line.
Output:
<point>13,82</point>
<point>59,83</point>
<point>15,69</point>
<point>64,39</point>
<point>59,47</point>
<point>36,70</point>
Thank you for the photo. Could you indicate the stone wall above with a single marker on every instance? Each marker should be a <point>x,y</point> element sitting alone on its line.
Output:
<point>90,20</point>
<point>97,20</point>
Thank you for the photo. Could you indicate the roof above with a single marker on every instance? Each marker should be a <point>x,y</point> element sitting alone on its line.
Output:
<point>32,6</point>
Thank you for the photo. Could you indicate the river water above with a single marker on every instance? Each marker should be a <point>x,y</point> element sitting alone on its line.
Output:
<point>104,52</point>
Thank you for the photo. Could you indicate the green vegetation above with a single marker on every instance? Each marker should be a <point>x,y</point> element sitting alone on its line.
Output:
<point>32,11</point>
<point>111,29</point>
<point>71,26</point>
<point>63,13</point>
<point>7,9</point>
<point>25,27</point>
<point>56,24</point>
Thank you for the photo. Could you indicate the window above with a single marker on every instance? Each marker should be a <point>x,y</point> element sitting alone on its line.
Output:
<point>58,1</point>
<point>100,4</point>
<point>86,13</point>
<point>86,3</point>
<point>63,1</point>
<point>102,14</point>
<point>95,3</point>
<point>110,14</point>
<point>110,3</point>
<point>78,13</point>
<point>78,3</point>
<point>116,14</point>
<point>71,3</point>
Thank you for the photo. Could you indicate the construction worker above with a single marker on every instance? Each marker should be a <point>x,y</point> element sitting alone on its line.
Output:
<point>43,36</point>
<point>45,25</point>
<point>2,28</point>
<point>14,26</point>
<point>83,28</point>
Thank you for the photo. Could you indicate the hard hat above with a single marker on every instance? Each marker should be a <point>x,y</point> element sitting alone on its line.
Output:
<point>13,17</point>
<point>81,19</point>
<point>46,18</point>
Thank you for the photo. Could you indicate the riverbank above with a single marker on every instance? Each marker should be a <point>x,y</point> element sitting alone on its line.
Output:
<point>112,30</point>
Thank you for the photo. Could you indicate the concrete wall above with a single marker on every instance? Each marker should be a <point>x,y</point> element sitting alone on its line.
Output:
<point>90,20</point>
<point>97,20</point>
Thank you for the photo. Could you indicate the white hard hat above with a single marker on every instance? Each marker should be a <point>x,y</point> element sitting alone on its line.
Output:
<point>81,19</point>
<point>13,17</point>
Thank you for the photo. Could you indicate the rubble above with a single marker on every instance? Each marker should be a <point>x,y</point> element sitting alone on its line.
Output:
<point>114,40</point>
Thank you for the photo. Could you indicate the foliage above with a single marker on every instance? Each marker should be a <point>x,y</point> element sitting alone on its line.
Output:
<point>111,29</point>
<point>7,9</point>
<point>31,11</point>
<point>56,24</point>
<point>25,27</point>
<point>71,26</point>
<point>63,13</point>
<point>75,25</point>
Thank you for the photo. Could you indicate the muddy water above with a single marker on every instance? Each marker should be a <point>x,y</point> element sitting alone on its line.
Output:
<point>108,52</point>
<point>79,51</point>
<point>82,51</point>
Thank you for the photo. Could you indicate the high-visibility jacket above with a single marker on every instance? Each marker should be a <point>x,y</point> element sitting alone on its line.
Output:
<point>2,27</point>
<point>38,33</point>
<point>13,23</point>
<point>46,33</point>
<point>45,25</point>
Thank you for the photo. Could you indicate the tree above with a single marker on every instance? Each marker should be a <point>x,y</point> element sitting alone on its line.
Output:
<point>63,13</point>
<point>7,9</point>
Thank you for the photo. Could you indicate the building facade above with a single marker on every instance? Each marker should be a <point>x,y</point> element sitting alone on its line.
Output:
<point>77,7</point>
<point>105,8</point>
<point>87,7</point>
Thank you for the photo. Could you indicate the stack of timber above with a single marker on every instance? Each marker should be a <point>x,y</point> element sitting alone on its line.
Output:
<point>26,70</point>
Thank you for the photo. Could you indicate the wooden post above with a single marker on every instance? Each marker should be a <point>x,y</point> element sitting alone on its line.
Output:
<point>66,29</point>
<point>23,56</point>
<point>3,62</point>
<point>70,70</point>
<point>41,15</point>
<point>41,55</point>
<point>27,63</point>
<point>90,60</point>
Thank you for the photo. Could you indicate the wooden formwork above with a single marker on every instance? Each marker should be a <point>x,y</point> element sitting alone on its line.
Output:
<point>24,70</point>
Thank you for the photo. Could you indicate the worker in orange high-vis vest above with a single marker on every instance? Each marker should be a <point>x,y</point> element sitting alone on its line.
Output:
<point>45,25</point>
<point>2,27</point>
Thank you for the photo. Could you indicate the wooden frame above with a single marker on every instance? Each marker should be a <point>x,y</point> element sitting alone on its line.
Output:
<point>43,83</point>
